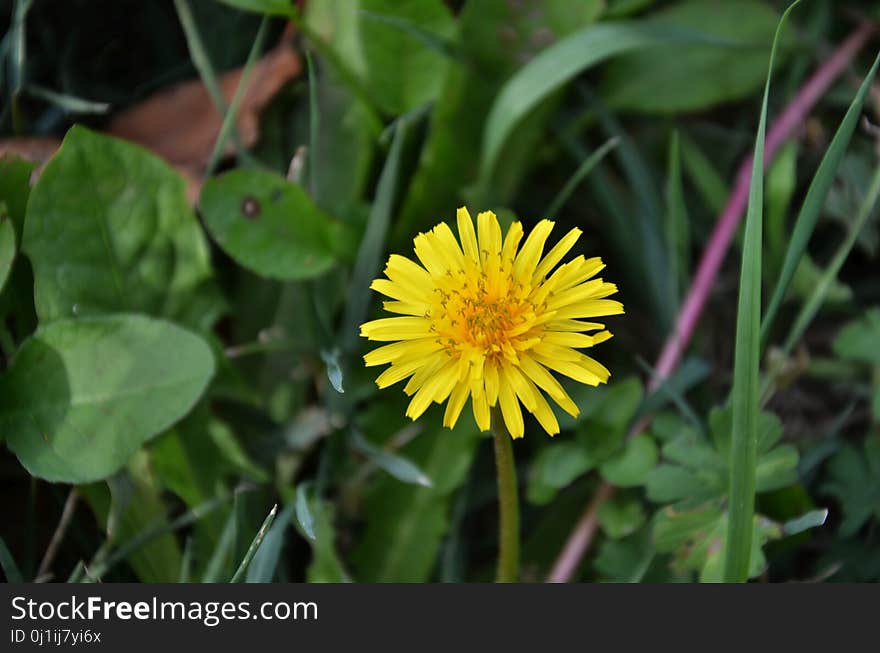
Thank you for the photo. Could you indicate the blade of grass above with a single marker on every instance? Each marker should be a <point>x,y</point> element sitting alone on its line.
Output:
<point>220,556</point>
<point>265,562</point>
<point>820,291</point>
<point>66,102</point>
<point>369,256</point>
<point>255,545</point>
<point>704,175</point>
<point>579,175</point>
<point>104,561</point>
<point>677,232</point>
<point>186,562</point>
<point>744,396</point>
<point>314,126</point>
<point>230,115</point>
<point>7,563</point>
<point>645,218</point>
<point>401,468</point>
<point>202,62</point>
<point>18,55</point>
<point>303,513</point>
<point>815,200</point>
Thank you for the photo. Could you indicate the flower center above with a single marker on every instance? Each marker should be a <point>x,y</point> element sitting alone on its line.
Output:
<point>474,313</point>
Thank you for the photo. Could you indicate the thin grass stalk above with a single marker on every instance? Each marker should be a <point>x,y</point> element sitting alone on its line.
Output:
<point>747,361</point>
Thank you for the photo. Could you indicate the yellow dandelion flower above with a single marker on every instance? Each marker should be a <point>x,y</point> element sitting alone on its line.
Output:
<point>489,321</point>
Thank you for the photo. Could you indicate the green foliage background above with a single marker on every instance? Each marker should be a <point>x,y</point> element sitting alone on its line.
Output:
<point>168,374</point>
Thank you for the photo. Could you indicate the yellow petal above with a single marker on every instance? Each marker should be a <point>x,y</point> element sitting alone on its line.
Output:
<point>397,328</point>
<point>480,406</point>
<point>511,412</point>
<point>467,235</point>
<point>555,255</point>
<point>456,402</point>
<point>407,349</point>
<point>530,254</point>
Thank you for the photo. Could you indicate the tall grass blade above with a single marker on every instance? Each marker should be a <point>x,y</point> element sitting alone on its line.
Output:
<point>676,223</point>
<point>255,546</point>
<point>7,563</point>
<point>220,556</point>
<point>265,562</point>
<point>815,200</point>
<point>66,102</point>
<point>820,291</point>
<point>745,395</point>
<point>314,125</point>
<point>579,175</point>
<point>705,177</point>
<point>230,115</point>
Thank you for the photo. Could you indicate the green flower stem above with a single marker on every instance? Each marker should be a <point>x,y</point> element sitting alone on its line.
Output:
<point>508,502</point>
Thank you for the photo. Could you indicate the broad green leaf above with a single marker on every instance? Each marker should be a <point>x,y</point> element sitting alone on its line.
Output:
<point>626,560</point>
<point>696,537</point>
<point>400,69</point>
<point>82,395</point>
<point>621,517</point>
<point>109,230</point>
<point>269,225</point>
<point>695,468</point>
<point>671,483</point>
<point>854,480</point>
<point>763,531</point>
<point>555,66</point>
<point>7,244</point>
<point>632,466</point>
<point>556,466</point>
<point>858,340</point>
<point>688,77</point>
<point>405,524</point>
<point>815,199</point>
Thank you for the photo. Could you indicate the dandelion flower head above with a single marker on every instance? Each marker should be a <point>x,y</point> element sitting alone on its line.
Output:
<point>490,321</point>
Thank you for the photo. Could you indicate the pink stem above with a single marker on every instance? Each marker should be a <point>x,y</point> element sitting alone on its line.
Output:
<point>794,115</point>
